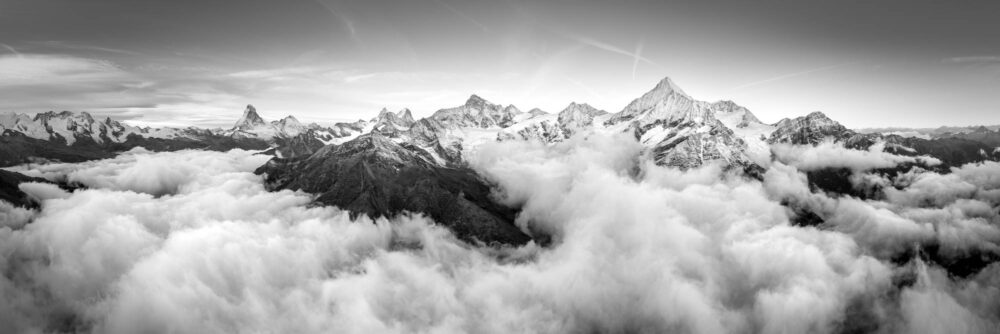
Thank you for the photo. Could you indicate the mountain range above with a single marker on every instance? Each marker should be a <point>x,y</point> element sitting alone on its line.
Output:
<point>395,163</point>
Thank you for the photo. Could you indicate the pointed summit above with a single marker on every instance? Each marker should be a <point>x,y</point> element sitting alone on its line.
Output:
<point>249,120</point>
<point>405,115</point>
<point>668,85</point>
<point>665,102</point>
<point>390,124</point>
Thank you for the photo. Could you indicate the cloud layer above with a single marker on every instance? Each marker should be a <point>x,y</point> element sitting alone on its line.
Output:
<point>191,242</point>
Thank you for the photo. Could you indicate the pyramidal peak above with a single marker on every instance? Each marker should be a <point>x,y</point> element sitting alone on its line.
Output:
<point>250,110</point>
<point>249,120</point>
<point>663,102</point>
<point>382,113</point>
<point>405,115</point>
<point>668,85</point>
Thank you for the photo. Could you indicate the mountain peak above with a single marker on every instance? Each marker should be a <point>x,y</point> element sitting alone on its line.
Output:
<point>249,120</point>
<point>405,115</point>
<point>475,100</point>
<point>511,109</point>
<point>574,105</point>
<point>817,115</point>
<point>668,85</point>
<point>579,107</point>
<point>665,102</point>
<point>382,113</point>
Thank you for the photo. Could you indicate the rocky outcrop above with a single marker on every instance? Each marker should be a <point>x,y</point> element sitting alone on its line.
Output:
<point>374,176</point>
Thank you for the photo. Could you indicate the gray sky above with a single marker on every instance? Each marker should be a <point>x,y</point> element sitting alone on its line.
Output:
<point>198,62</point>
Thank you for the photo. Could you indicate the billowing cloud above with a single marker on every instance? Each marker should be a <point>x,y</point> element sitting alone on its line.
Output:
<point>832,155</point>
<point>190,241</point>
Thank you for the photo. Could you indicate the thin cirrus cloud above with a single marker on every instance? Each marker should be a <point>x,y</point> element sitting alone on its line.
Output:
<point>342,17</point>
<point>793,75</point>
<point>11,49</point>
<point>974,60</point>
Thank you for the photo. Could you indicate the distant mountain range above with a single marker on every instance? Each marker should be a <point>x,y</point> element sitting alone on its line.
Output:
<point>927,133</point>
<point>393,162</point>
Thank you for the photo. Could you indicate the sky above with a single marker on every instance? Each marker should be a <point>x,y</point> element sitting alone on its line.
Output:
<point>907,63</point>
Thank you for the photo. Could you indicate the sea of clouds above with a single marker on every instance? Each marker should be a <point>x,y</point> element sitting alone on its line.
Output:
<point>191,242</point>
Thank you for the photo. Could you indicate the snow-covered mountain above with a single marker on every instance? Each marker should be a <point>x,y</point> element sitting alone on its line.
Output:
<point>70,128</point>
<point>73,137</point>
<point>810,129</point>
<point>392,124</point>
<point>250,121</point>
<point>477,113</point>
<point>677,130</point>
<point>251,125</point>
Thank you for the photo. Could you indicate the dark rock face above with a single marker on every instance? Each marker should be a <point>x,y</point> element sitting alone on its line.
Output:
<point>17,148</point>
<point>305,144</point>
<point>952,151</point>
<point>10,192</point>
<point>982,135</point>
<point>211,142</point>
<point>374,176</point>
